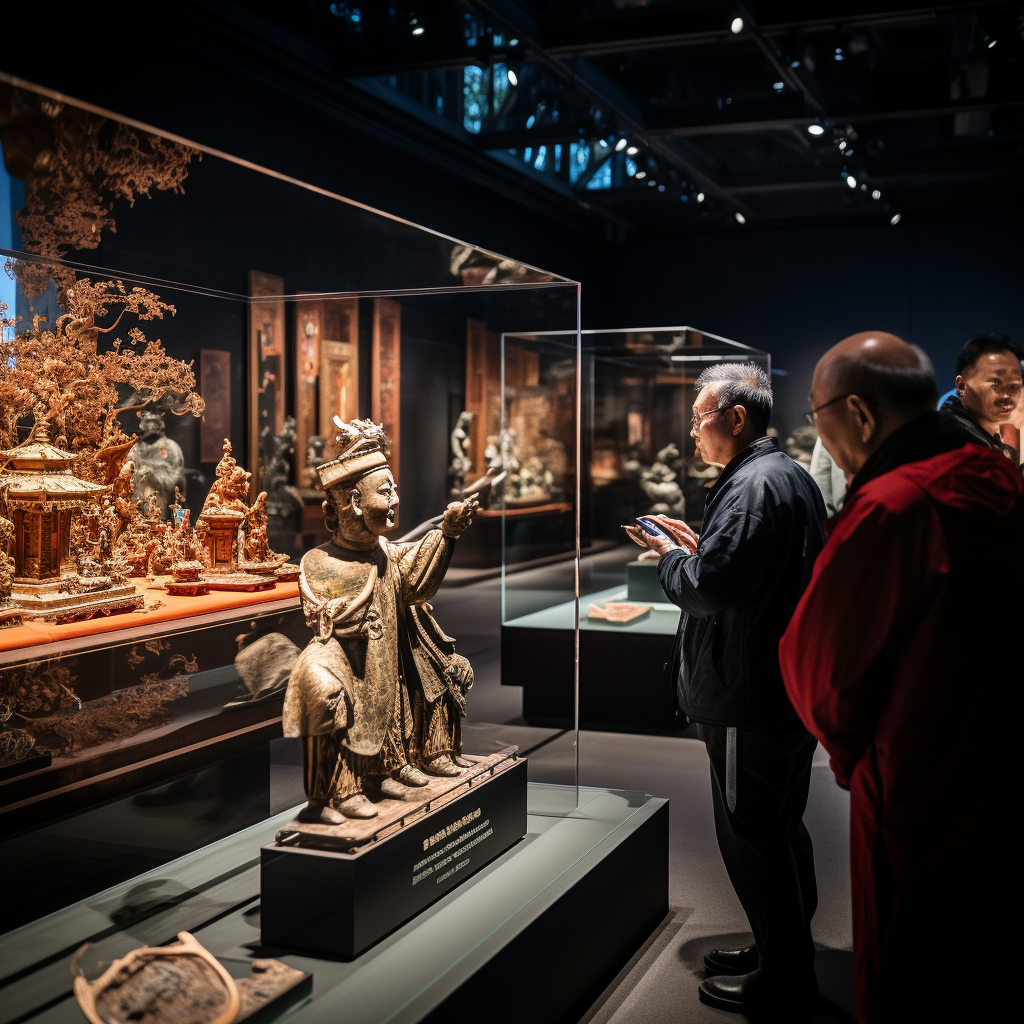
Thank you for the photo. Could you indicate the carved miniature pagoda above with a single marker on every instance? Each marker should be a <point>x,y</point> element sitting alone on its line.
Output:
<point>43,497</point>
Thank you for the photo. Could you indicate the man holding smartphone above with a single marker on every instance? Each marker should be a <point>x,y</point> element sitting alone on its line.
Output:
<point>737,584</point>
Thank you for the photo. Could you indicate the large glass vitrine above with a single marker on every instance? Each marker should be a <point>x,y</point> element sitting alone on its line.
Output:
<point>202,317</point>
<point>594,646</point>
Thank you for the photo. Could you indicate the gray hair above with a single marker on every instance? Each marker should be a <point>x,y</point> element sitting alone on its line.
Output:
<point>743,384</point>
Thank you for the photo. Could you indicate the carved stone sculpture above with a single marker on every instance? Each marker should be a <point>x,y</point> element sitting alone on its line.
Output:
<point>159,462</point>
<point>660,485</point>
<point>459,461</point>
<point>379,693</point>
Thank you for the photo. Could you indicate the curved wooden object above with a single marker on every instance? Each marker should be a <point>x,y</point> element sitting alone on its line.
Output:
<point>188,945</point>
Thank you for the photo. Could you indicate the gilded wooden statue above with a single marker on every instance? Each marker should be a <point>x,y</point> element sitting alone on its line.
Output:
<point>379,693</point>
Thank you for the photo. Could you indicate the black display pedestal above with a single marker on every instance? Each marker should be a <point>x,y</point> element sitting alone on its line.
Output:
<point>334,903</point>
<point>623,680</point>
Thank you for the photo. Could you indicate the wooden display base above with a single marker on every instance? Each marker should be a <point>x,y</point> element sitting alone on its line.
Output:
<point>340,902</point>
<point>267,988</point>
<point>9,617</point>
<point>51,602</point>
<point>188,588</point>
<point>238,581</point>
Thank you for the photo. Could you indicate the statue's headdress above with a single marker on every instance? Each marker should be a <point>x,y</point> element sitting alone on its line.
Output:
<point>362,448</point>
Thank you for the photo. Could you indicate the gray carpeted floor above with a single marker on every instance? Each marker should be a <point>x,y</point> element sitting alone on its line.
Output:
<point>660,982</point>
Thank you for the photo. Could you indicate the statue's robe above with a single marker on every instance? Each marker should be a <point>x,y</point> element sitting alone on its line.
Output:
<point>377,686</point>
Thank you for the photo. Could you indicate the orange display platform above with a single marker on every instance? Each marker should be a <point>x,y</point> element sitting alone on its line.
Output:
<point>159,607</point>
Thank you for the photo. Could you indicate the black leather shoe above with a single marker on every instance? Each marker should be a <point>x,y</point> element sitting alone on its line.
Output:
<point>732,961</point>
<point>754,993</point>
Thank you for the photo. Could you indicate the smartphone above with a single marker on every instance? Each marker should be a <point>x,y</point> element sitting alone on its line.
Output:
<point>649,526</point>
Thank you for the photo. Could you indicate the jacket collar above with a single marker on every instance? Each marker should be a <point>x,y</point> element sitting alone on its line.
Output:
<point>762,446</point>
<point>954,404</point>
<point>921,438</point>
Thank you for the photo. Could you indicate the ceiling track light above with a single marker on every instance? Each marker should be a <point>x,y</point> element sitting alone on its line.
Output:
<point>740,219</point>
<point>815,129</point>
<point>895,219</point>
<point>620,145</point>
<point>851,181</point>
<point>737,26</point>
<point>513,78</point>
<point>632,151</point>
<point>700,197</point>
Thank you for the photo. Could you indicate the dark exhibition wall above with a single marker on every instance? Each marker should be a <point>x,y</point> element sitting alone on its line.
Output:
<point>796,291</point>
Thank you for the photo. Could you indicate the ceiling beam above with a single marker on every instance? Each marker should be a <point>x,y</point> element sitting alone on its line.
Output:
<point>605,95</point>
<point>686,131</point>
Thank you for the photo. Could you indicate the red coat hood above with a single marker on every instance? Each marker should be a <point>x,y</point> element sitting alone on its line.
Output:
<point>971,478</point>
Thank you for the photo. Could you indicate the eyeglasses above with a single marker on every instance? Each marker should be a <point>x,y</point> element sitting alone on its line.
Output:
<point>809,416</point>
<point>698,418</point>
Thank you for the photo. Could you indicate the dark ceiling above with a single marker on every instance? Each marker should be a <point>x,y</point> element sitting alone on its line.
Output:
<point>657,112</point>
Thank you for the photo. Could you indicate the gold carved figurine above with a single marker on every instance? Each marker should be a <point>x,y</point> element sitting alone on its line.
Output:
<point>379,693</point>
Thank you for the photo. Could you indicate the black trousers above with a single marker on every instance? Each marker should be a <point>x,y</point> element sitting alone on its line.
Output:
<point>765,846</point>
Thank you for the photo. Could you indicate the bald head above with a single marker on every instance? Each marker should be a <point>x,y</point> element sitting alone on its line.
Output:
<point>895,377</point>
<point>864,389</point>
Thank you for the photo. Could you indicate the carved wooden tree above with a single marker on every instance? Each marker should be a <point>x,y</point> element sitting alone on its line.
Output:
<point>76,165</point>
<point>72,375</point>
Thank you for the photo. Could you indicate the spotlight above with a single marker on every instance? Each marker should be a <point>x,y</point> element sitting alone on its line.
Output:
<point>816,129</point>
<point>414,24</point>
<point>993,43</point>
<point>632,151</point>
<point>876,194</point>
<point>737,26</point>
<point>851,181</point>
<point>418,30</point>
<point>779,86</point>
<point>620,145</point>
<point>641,174</point>
<point>661,188</point>
<point>842,143</point>
<point>700,197</point>
<point>513,78</point>
<point>740,219</point>
<point>794,64</point>
<point>896,218</point>
<point>513,42</point>
<point>652,183</point>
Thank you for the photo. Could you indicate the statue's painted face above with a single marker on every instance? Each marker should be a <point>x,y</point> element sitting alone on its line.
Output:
<point>377,501</point>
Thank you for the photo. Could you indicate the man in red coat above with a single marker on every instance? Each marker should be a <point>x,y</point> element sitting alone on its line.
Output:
<point>898,659</point>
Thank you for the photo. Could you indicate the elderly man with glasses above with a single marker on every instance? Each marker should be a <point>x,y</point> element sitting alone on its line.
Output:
<point>737,585</point>
<point>900,660</point>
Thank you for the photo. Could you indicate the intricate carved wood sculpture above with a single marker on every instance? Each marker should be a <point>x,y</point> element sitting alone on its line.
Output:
<point>44,497</point>
<point>379,693</point>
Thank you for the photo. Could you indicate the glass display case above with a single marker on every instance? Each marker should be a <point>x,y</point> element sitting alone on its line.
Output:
<point>636,458</point>
<point>169,390</point>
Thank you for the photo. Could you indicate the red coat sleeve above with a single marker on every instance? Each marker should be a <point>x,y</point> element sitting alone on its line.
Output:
<point>880,567</point>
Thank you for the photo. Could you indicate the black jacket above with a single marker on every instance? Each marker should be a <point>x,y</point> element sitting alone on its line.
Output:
<point>762,532</point>
<point>954,405</point>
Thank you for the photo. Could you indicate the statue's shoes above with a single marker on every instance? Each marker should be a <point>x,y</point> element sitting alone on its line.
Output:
<point>412,776</point>
<point>442,766</point>
<point>393,789</point>
<point>461,762</point>
<point>356,806</point>
<point>325,815</point>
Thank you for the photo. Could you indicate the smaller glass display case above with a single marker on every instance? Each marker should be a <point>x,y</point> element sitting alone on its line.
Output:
<point>637,457</point>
